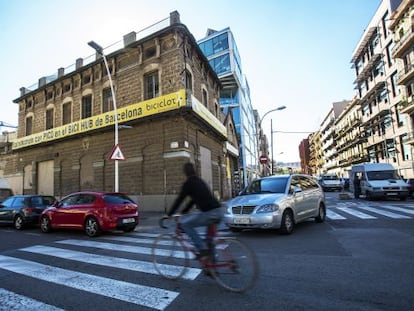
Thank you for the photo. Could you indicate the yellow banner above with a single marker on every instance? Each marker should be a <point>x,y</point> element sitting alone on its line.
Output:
<point>143,109</point>
<point>205,114</point>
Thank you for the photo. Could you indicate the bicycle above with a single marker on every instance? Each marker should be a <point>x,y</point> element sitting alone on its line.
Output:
<point>231,263</point>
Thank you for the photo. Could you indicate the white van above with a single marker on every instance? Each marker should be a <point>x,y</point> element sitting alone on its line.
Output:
<point>378,180</point>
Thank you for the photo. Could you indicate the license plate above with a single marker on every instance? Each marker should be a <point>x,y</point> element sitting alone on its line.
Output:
<point>242,221</point>
<point>128,220</point>
<point>392,193</point>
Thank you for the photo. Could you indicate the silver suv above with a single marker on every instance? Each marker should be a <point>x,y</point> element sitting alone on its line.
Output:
<point>276,202</point>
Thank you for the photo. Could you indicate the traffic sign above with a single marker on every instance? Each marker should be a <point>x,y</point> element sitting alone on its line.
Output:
<point>117,154</point>
<point>263,159</point>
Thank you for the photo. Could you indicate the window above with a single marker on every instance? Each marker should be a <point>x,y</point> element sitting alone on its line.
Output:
<point>394,85</point>
<point>188,81</point>
<point>29,126</point>
<point>107,102</point>
<point>204,99</point>
<point>49,118</point>
<point>221,64</point>
<point>66,113</point>
<point>151,85</point>
<point>149,52</point>
<point>86,106</point>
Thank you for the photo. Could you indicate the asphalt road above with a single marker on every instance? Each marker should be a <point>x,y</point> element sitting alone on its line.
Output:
<point>361,258</point>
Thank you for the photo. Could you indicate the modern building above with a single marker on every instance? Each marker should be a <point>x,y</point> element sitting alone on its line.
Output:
<point>221,51</point>
<point>166,110</point>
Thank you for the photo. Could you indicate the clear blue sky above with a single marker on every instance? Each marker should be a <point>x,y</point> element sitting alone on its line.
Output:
<point>295,52</point>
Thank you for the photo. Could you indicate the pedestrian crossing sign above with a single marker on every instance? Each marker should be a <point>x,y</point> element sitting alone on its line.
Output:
<point>117,154</point>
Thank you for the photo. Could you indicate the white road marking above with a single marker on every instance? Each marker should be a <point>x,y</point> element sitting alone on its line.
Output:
<point>13,301</point>
<point>113,262</point>
<point>151,297</point>
<point>117,247</point>
<point>332,215</point>
<point>398,209</point>
<point>356,213</point>
<point>384,213</point>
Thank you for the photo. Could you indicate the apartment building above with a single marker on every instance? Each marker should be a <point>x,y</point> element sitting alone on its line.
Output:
<point>402,27</point>
<point>350,138</point>
<point>384,123</point>
<point>328,142</point>
<point>221,50</point>
<point>167,104</point>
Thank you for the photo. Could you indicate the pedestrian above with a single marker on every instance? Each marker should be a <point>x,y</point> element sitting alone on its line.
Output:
<point>357,187</point>
<point>200,196</point>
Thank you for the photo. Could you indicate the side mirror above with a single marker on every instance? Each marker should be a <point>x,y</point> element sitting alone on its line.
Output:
<point>297,189</point>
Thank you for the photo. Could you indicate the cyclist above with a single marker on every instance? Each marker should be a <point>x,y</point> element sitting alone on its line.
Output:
<point>200,196</point>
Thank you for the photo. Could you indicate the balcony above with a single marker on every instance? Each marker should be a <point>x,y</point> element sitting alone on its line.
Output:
<point>407,106</point>
<point>405,75</point>
<point>402,45</point>
<point>410,139</point>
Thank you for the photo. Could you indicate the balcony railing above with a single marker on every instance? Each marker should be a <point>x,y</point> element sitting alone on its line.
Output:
<point>403,43</point>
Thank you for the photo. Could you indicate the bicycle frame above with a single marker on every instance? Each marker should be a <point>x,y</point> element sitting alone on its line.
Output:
<point>232,263</point>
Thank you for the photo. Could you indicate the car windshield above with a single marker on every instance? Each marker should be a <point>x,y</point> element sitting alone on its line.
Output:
<point>117,199</point>
<point>381,175</point>
<point>266,185</point>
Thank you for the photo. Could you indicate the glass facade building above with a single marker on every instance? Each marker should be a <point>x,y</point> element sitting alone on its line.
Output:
<point>221,50</point>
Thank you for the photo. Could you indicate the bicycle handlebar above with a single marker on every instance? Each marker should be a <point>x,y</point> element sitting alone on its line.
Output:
<point>176,217</point>
<point>161,223</point>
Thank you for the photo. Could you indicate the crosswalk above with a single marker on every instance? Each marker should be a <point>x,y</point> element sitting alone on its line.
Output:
<point>91,253</point>
<point>368,211</point>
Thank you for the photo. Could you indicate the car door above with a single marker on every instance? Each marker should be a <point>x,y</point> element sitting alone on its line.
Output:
<point>7,211</point>
<point>311,196</point>
<point>64,213</point>
<point>298,203</point>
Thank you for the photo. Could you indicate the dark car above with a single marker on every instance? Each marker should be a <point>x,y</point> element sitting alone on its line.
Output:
<point>22,210</point>
<point>92,212</point>
<point>410,183</point>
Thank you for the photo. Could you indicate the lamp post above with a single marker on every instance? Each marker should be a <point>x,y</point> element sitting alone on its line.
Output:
<point>271,132</point>
<point>100,51</point>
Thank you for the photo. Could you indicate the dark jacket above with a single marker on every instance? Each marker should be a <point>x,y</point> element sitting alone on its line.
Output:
<point>200,194</point>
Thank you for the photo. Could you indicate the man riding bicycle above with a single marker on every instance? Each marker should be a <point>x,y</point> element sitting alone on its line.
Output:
<point>200,196</point>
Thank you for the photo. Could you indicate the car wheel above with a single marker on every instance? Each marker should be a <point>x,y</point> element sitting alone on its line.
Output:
<point>129,229</point>
<point>287,223</point>
<point>92,227</point>
<point>18,222</point>
<point>368,196</point>
<point>322,214</point>
<point>45,225</point>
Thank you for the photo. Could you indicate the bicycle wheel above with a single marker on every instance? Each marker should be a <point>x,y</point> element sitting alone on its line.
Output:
<point>234,265</point>
<point>169,256</point>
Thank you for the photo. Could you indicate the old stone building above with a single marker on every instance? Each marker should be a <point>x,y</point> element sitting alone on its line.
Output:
<point>167,103</point>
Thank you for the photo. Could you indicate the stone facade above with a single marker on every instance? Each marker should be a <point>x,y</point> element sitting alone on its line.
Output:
<point>73,156</point>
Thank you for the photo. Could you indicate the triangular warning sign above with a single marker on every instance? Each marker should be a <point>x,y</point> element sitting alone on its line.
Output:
<point>117,154</point>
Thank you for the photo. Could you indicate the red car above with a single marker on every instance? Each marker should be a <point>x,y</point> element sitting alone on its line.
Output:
<point>93,212</point>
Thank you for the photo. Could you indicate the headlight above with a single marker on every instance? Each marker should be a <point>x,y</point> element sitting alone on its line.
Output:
<point>267,208</point>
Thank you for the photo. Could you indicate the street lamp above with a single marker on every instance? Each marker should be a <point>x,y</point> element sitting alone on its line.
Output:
<point>100,51</point>
<point>271,132</point>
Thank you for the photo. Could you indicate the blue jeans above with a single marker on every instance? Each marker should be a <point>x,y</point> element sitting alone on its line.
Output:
<point>199,219</point>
